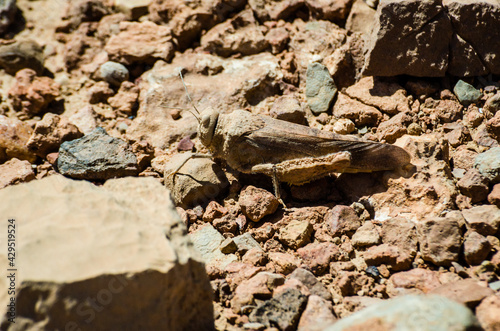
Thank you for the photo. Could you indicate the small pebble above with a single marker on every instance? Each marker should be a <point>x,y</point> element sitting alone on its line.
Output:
<point>414,129</point>
<point>372,271</point>
<point>185,144</point>
<point>344,126</point>
<point>228,246</point>
<point>114,73</point>
<point>363,130</point>
<point>122,127</point>
<point>254,326</point>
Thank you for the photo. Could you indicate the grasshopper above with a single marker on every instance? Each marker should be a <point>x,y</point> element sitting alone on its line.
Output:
<point>289,152</point>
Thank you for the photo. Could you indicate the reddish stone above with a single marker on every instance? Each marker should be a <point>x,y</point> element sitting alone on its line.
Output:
<point>283,263</point>
<point>494,196</point>
<point>316,257</point>
<point>236,272</point>
<point>15,171</point>
<point>342,220</point>
<point>389,255</point>
<point>317,315</point>
<point>255,256</point>
<point>185,144</point>
<point>474,185</point>
<point>256,203</point>
<point>400,232</point>
<point>260,286</point>
<point>14,135</point>
<point>351,282</point>
<point>31,94</point>
<point>143,42</point>
<point>50,133</point>
<point>421,280</point>
<point>467,291</point>
<point>214,210</point>
<point>493,126</point>
<point>488,313</point>
<point>126,100</point>
<point>440,240</point>
<point>476,248</point>
<point>100,92</point>
<point>483,219</point>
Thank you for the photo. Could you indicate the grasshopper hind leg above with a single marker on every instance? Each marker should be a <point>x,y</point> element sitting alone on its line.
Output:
<point>276,187</point>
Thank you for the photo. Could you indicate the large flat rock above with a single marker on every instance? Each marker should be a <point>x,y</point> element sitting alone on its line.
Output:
<point>429,38</point>
<point>115,257</point>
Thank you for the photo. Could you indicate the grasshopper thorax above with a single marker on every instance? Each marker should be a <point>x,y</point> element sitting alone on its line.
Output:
<point>208,124</point>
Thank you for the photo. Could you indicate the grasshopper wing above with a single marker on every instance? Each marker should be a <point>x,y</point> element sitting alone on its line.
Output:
<point>278,141</point>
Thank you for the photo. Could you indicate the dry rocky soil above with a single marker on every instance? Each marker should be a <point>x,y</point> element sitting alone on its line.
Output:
<point>121,222</point>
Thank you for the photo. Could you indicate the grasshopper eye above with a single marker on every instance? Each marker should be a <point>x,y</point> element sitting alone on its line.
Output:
<point>208,123</point>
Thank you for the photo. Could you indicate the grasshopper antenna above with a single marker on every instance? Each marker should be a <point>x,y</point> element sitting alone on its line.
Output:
<point>189,97</point>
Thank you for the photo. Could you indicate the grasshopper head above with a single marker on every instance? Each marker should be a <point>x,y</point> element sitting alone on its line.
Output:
<point>208,123</point>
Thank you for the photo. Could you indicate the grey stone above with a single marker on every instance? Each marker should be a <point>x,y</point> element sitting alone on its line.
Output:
<point>320,88</point>
<point>96,156</point>
<point>79,11</point>
<point>411,313</point>
<point>466,93</point>
<point>124,260</point>
<point>207,240</point>
<point>193,180</point>
<point>495,286</point>
<point>488,164</point>
<point>282,311</point>
<point>114,73</point>
<point>246,242</point>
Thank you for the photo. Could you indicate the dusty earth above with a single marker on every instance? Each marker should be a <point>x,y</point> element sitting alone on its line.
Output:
<point>91,90</point>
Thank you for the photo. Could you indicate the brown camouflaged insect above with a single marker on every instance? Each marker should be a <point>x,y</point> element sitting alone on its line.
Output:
<point>289,152</point>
